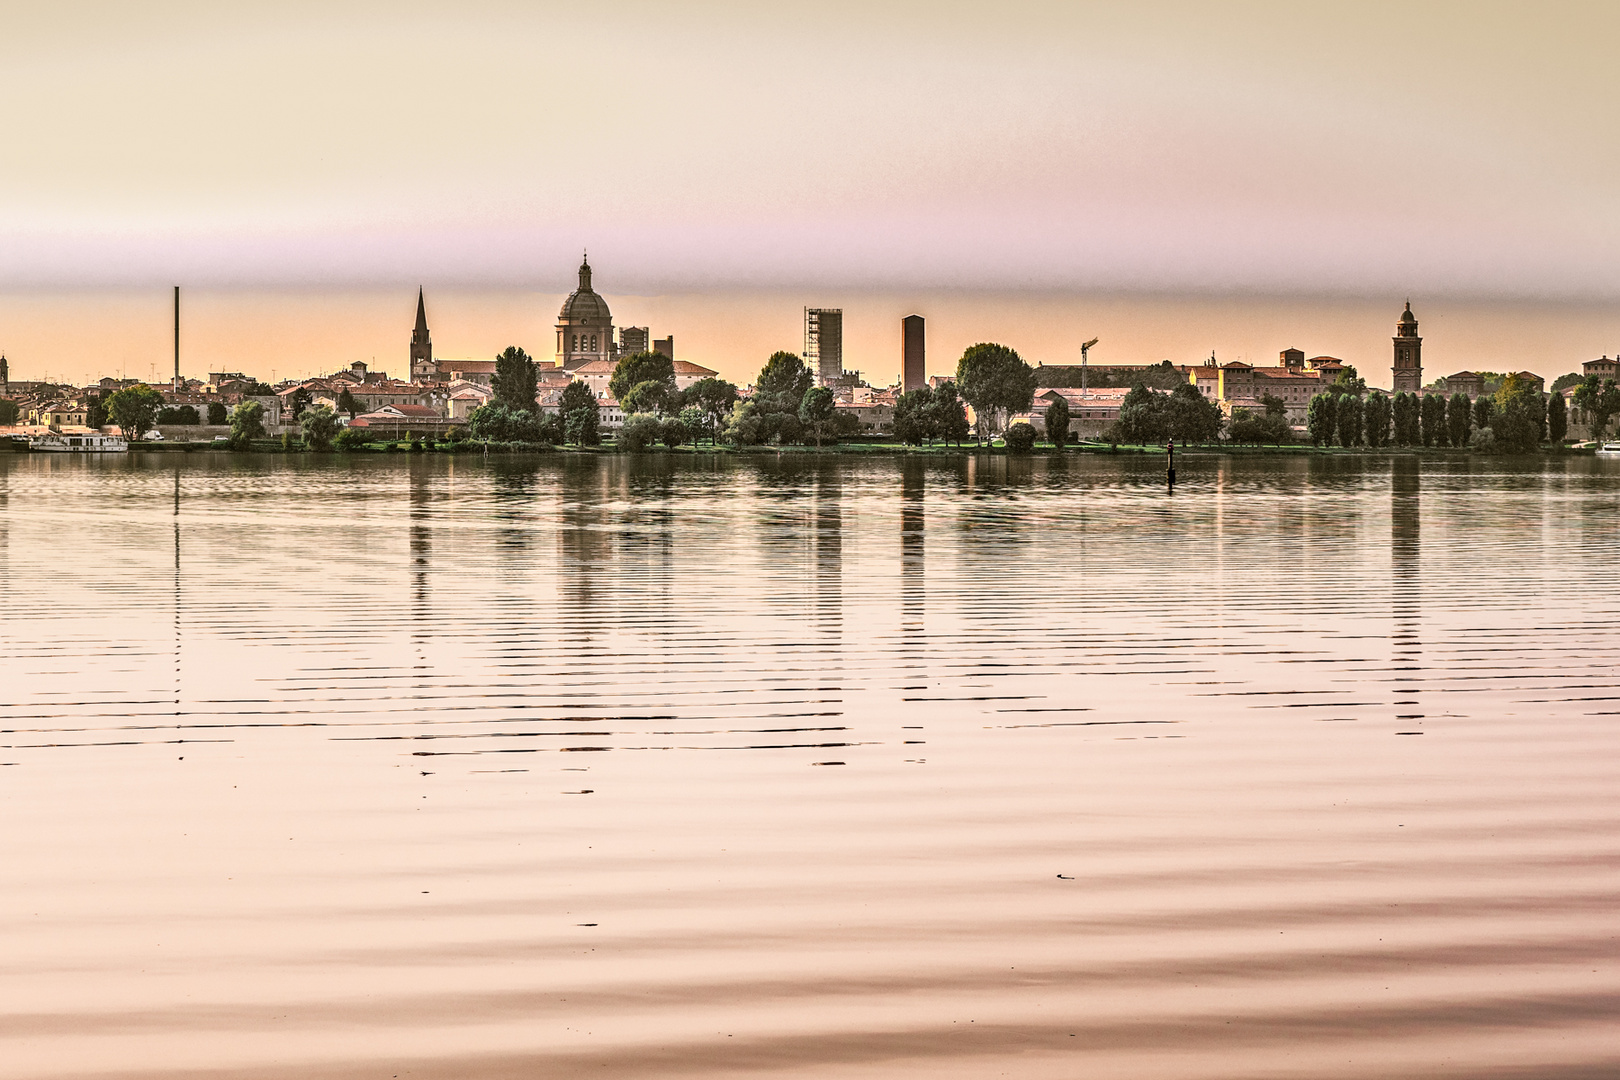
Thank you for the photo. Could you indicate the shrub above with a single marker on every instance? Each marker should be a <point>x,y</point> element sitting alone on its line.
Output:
<point>1020,438</point>
<point>350,439</point>
<point>640,431</point>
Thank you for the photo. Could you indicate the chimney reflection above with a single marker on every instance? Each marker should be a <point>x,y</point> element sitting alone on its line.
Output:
<point>827,532</point>
<point>913,593</point>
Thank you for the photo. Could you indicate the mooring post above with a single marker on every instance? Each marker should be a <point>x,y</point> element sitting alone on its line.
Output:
<point>1170,468</point>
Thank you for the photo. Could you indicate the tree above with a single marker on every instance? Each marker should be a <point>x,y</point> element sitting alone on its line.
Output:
<point>816,411</point>
<point>133,409</point>
<point>1376,419</point>
<point>1142,418</point>
<point>1432,420</point>
<point>744,426</point>
<point>95,413</point>
<point>1484,407</point>
<point>1459,418</point>
<point>1057,422</point>
<point>996,382</point>
<point>714,397</point>
<point>1599,399</point>
<point>1348,414</point>
<point>351,438</point>
<point>184,415</point>
<point>300,400</point>
<point>247,424</point>
<point>647,396</point>
<point>1193,418</point>
<point>947,417</point>
<point>913,416</point>
<point>1557,420</point>
<point>638,432</point>
<point>1322,418</point>
<point>347,403</point>
<point>1349,383</point>
<point>504,424</point>
<point>784,374</point>
<point>8,411</point>
<point>1020,438</point>
<point>672,431</point>
<point>642,367</point>
<point>1404,410</point>
<point>1517,422</point>
<point>1564,382</point>
<point>218,415</point>
<point>581,415</point>
<point>318,424</point>
<point>514,382</point>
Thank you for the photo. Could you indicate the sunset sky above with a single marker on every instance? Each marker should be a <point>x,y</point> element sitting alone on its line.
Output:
<point>1171,178</point>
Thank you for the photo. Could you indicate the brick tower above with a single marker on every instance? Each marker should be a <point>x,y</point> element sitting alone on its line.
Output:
<point>1408,365</point>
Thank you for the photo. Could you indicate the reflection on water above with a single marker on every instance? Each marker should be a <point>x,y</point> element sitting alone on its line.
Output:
<point>943,766</point>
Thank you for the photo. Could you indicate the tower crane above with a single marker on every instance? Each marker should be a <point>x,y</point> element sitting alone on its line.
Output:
<point>1084,349</point>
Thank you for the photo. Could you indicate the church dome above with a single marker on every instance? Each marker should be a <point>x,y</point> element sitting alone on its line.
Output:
<point>1407,318</point>
<point>583,304</point>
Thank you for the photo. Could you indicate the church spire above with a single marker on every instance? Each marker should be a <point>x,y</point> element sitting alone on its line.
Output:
<point>585,273</point>
<point>421,313</point>
<point>421,343</point>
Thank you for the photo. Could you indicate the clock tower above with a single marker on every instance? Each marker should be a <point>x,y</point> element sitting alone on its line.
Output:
<point>1408,365</point>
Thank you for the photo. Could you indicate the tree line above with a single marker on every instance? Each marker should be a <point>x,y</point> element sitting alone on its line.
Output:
<point>1516,419</point>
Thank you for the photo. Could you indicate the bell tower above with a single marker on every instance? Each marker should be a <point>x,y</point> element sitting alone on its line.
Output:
<point>421,344</point>
<point>1408,364</point>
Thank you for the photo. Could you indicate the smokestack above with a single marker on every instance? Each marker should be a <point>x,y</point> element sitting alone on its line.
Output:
<point>177,337</point>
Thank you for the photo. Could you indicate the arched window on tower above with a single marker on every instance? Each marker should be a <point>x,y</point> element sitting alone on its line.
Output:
<point>593,343</point>
<point>575,346</point>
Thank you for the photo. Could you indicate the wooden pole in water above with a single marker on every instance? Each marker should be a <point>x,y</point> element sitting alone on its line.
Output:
<point>1170,469</point>
<point>177,337</point>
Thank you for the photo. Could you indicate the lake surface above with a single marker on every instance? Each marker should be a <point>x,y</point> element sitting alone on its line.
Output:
<point>949,767</point>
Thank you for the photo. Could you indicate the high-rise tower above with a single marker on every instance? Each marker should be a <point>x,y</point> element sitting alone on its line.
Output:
<point>913,370</point>
<point>421,343</point>
<point>1408,365</point>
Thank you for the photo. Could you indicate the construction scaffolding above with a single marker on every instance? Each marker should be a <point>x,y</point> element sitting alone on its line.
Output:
<point>824,343</point>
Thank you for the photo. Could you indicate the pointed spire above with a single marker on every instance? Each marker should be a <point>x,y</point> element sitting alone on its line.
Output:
<point>421,312</point>
<point>585,273</point>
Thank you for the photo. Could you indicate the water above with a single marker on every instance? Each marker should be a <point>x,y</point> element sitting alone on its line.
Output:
<point>958,767</point>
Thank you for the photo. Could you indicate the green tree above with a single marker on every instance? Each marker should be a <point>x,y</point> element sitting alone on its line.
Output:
<point>744,426</point>
<point>351,439</point>
<point>1599,399</point>
<point>347,403</point>
<point>913,416</point>
<point>1322,418</point>
<point>784,374</point>
<point>1192,417</point>
<point>1557,420</point>
<point>1142,416</point>
<point>1403,411</point>
<point>1517,422</point>
<point>95,413</point>
<point>299,400</point>
<point>1459,418</point>
<point>582,416</point>
<point>1564,382</point>
<point>1432,420</point>
<point>133,409</point>
<point>515,379</point>
<point>319,425</point>
<point>8,411</point>
<point>816,411</point>
<point>1376,419</point>
<point>183,415</point>
<point>218,415</point>
<point>638,432</point>
<point>996,382</point>
<point>1057,422</point>
<point>714,397</point>
<point>643,367</point>
<point>672,431</point>
<point>1348,414</point>
<point>649,396</point>
<point>504,424</point>
<point>247,424</point>
<point>1484,407</point>
<point>947,416</point>
<point>1020,438</point>
<point>1349,383</point>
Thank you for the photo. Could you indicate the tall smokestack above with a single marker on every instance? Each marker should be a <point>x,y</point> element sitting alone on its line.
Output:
<point>177,337</point>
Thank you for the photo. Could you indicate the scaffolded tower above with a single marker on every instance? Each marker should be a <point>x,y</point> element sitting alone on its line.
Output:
<point>824,343</point>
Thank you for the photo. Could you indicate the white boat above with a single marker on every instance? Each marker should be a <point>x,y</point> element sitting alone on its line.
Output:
<point>1609,448</point>
<point>88,443</point>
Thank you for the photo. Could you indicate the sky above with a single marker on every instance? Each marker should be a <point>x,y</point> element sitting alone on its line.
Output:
<point>1036,173</point>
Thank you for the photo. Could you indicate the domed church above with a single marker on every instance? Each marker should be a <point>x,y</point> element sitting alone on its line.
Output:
<point>584,326</point>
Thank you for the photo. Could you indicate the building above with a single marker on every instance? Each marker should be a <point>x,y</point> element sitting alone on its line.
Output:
<point>404,422</point>
<point>1602,367</point>
<point>824,343</point>
<point>1408,363</point>
<point>913,370</point>
<point>481,372</point>
<point>596,374</point>
<point>633,340</point>
<point>664,346</point>
<point>687,373</point>
<point>584,325</point>
<point>1471,383</point>
<point>421,343</point>
<point>1090,412</point>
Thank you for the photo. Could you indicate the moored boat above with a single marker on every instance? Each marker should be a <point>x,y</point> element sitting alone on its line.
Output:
<point>90,442</point>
